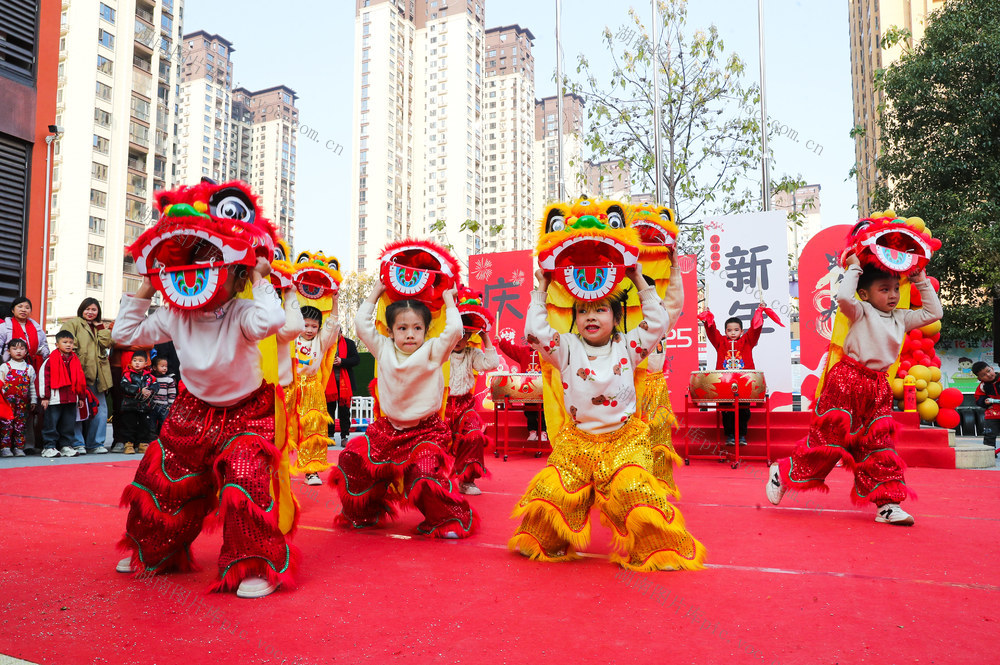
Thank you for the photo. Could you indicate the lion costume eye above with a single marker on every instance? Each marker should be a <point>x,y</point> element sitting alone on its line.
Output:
<point>616,220</point>
<point>279,254</point>
<point>303,258</point>
<point>334,264</point>
<point>232,203</point>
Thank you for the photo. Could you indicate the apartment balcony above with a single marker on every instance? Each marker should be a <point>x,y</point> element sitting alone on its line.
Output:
<point>142,83</point>
<point>137,166</point>
<point>136,190</point>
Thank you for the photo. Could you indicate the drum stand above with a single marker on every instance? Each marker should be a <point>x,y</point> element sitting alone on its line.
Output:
<point>721,450</point>
<point>507,406</point>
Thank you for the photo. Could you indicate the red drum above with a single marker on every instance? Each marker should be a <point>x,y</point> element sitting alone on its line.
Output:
<point>723,386</point>
<point>518,387</point>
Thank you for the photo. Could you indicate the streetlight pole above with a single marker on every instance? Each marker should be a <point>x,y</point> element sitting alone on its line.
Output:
<point>559,101</point>
<point>657,150</point>
<point>49,140</point>
<point>765,158</point>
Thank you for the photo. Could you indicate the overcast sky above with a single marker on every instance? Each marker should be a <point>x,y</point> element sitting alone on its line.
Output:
<point>808,82</point>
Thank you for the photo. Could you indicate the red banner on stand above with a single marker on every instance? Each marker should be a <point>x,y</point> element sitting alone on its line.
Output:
<point>819,279</point>
<point>682,342</point>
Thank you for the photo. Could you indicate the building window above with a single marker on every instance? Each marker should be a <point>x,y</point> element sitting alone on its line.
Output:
<point>96,225</point>
<point>95,252</point>
<point>98,198</point>
<point>103,91</point>
<point>99,171</point>
<point>107,13</point>
<point>95,280</point>
<point>105,38</point>
<point>101,144</point>
<point>105,65</point>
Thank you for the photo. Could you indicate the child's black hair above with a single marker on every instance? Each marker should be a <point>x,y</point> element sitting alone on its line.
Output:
<point>160,359</point>
<point>978,367</point>
<point>310,313</point>
<point>870,274</point>
<point>963,359</point>
<point>396,308</point>
<point>16,342</point>
<point>141,354</point>
<point>63,334</point>
<point>733,319</point>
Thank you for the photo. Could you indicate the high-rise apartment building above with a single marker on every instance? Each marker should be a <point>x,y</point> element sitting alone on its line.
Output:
<point>116,99</point>
<point>869,19</point>
<point>206,91</point>
<point>610,179</point>
<point>509,135</point>
<point>228,134</point>
<point>417,110</point>
<point>29,36</point>
<point>547,150</point>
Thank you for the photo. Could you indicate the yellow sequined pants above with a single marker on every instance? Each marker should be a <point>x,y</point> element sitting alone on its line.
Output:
<point>613,471</point>
<point>310,407</point>
<point>658,413</point>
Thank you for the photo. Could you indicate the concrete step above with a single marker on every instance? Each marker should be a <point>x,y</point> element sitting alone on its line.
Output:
<point>974,456</point>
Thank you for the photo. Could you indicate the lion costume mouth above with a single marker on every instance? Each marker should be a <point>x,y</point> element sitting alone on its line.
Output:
<point>652,233</point>
<point>314,283</point>
<point>417,269</point>
<point>590,266</point>
<point>892,245</point>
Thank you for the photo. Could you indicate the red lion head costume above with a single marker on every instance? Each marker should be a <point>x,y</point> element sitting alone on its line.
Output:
<point>475,317</point>
<point>204,232</point>
<point>418,270</point>
<point>898,246</point>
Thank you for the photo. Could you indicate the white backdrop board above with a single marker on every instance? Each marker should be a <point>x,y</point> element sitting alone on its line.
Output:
<point>745,263</point>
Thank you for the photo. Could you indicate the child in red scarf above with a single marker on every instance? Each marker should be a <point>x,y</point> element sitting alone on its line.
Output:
<point>62,387</point>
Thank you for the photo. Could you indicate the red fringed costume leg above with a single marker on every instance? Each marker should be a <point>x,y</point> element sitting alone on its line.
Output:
<point>205,454</point>
<point>389,468</point>
<point>852,422</point>
<point>468,443</point>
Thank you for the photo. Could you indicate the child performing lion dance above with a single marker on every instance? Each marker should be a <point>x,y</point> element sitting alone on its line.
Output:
<point>600,451</point>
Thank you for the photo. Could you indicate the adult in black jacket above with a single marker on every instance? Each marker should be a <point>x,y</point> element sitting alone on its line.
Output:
<point>340,387</point>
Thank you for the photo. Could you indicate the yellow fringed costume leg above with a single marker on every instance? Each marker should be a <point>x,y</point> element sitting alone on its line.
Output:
<point>614,470</point>
<point>313,419</point>
<point>659,415</point>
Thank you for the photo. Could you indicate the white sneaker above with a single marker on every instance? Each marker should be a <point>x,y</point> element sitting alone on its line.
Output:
<point>5,452</point>
<point>51,452</point>
<point>312,479</point>
<point>80,450</point>
<point>532,435</point>
<point>125,565</point>
<point>255,587</point>
<point>99,450</point>
<point>470,489</point>
<point>451,535</point>
<point>891,513</point>
<point>775,490</point>
<point>67,451</point>
<point>18,452</point>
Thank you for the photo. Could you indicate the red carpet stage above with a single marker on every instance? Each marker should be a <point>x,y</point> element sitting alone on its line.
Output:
<point>814,581</point>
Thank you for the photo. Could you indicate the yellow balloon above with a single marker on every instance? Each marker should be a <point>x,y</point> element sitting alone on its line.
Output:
<point>928,232</point>
<point>921,396</point>
<point>931,329</point>
<point>919,372</point>
<point>935,373</point>
<point>934,390</point>
<point>921,384</point>
<point>916,223</point>
<point>888,213</point>
<point>897,388</point>
<point>928,409</point>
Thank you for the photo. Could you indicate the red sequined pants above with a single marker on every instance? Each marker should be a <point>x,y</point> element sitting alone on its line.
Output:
<point>389,468</point>
<point>853,423</point>
<point>468,443</point>
<point>207,456</point>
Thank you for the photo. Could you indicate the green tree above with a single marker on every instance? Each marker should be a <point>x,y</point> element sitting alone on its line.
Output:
<point>353,291</point>
<point>709,117</point>
<point>940,153</point>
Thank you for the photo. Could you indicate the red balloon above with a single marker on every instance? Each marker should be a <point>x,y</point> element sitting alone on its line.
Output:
<point>947,418</point>
<point>901,374</point>
<point>935,283</point>
<point>905,365</point>
<point>950,398</point>
<point>916,302</point>
<point>928,345</point>
<point>937,362</point>
<point>936,337</point>
<point>916,333</point>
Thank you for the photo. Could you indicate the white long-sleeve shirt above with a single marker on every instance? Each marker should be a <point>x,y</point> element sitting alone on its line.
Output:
<point>598,382</point>
<point>294,325</point>
<point>463,367</point>
<point>217,349</point>
<point>875,336</point>
<point>673,302</point>
<point>410,386</point>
